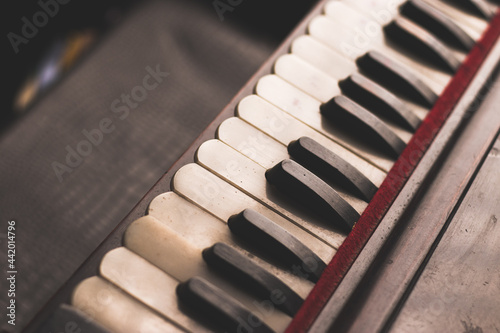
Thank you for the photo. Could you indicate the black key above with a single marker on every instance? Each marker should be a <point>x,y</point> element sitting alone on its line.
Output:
<point>324,162</point>
<point>275,241</point>
<point>210,302</point>
<point>379,100</point>
<point>252,276</point>
<point>363,124</point>
<point>295,181</point>
<point>476,7</point>
<point>437,23</point>
<point>396,77</point>
<point>417,40</point>
<point>68,319</point>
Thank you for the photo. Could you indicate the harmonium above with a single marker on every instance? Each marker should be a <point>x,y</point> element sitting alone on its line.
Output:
<point>351,185</point>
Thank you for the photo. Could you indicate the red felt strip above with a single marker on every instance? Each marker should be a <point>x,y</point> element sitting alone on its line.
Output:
<point>397,177</point>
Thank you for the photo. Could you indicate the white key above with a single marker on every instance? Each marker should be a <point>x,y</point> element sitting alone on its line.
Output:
<point>249,177</point>
<point>224,200</point>
<point>382,12</point>
<point>234,129</point>
<point>323,57</point>
<point>349,41</point>
<point>362,23</point>
<point>306,109</point>
<point>306,77</point>
<point>115,310</point>
<point>318,85</point>
<point>172,253</point>
<point>336,65</point>
<point>284,128</point>
<point>251,142</point>
<point>148,284</point>
<point>199,227</point>
<point>341,13</point>
<point>472,25</point>
<point>354,42</point>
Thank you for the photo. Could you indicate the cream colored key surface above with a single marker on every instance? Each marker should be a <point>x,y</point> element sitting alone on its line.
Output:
<point>306,109</point>
<point>341,39</point>
<point>199,227</point>
<point>251,142</point>
<point>318,85</point>
<point>471,24</point>
<point>284,128</point>
<point>383,12</point>
<point>249,177</point>
<point>306,77</point>
<point>148,284</point>
<point>115,310</point>
<point>323,57</point>
<point>235,129</point>
<point>344,14</point>
<point>169,251</point>
<point>332,63</point>
<point>354,43</point>
<point>223,200</point>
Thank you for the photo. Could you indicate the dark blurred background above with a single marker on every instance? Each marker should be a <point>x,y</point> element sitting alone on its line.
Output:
<point>78,25</point>
<point>71,21</point>
<point>63,81</point>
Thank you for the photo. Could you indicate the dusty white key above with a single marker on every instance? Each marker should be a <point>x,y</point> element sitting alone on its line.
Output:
<point>306,77</point>
<point>279,91</point>
<point>163,247</point>
<point>362,23</point>
<point>342,39</point>
<point>305,108</point>
<point>233,130</point>
<point>474,26</point>
<point>147,283</point>
<point>349,40</point>
<point>323,57</point>
<point>317,84</point>
<point>249,177</point>
<point>353,43</point>
<point>342,13</point>
<point>381,12</point>
<point>117,311</point>
<point>223,200</point>
<point>284,128</point>
<point>251,142</point>
<point>334,64</point>
<point>200,228</point>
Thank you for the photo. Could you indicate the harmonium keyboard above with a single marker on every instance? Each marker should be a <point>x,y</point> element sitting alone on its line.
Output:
<point>315,200</point>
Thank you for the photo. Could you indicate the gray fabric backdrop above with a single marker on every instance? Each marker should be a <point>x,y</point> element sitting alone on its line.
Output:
<point>60,223</point>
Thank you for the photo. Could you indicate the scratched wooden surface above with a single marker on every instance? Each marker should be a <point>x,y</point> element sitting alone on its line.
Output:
<point>459,288</point>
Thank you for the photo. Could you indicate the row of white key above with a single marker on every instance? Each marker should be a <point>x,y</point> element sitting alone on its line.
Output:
<point>136,290</point>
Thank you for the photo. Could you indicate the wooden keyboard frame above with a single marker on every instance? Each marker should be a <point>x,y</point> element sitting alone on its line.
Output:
<point>370,218</point>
